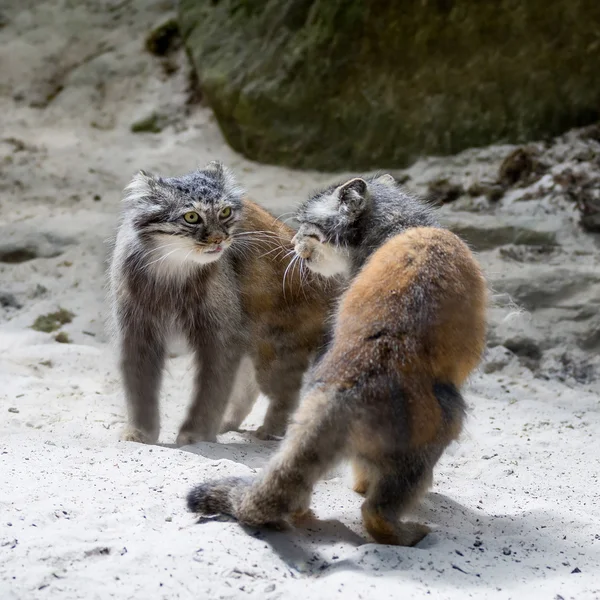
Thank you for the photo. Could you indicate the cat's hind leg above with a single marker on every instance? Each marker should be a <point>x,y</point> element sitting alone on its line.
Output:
<point>398,483</point>
<point>280,379</point>
<point>315,441</point>
<point>243,397</point>
<point>362,475</point>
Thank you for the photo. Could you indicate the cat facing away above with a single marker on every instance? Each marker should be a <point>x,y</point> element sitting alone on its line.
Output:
<point>193,255</point>
<point>409,330</point>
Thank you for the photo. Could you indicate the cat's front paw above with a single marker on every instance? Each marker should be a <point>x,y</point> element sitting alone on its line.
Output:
<point>186,437</point>
<point>229,426</point>
<point>264,434</point>
<point>133,434</point>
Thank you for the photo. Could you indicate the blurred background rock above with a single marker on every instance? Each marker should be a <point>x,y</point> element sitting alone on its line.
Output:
<point>337,84</point>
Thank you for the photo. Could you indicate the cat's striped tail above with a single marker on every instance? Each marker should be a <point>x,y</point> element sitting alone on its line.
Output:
<point>217,497</point>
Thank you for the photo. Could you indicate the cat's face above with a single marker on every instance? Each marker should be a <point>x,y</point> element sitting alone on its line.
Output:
<point>326,220</point>
<point>185,220</point>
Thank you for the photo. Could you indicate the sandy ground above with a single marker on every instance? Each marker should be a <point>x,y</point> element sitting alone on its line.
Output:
<point>514,506</point>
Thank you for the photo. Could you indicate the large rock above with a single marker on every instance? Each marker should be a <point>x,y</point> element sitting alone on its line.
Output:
<point>349,84</point>
<point>484,232</point>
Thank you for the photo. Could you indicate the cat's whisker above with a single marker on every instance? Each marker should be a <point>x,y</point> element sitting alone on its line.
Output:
<point>280,248</point>
<point>298,261</point>
<point>291,265</point>
<point>163,247</point>
<point>291,273</point>
<point>290,212</point>
<point>288,254</point>
<point>282,254</point>
<point>259,238</point>
<point>264,238</point>
<point>285,274</point>
<point>261,242</point>
<point>186,256</point>
<point>251,246</point>
<point>304,277</point>
<point>264,233</point>
<point>248,242</point>
<point>285,217</point>
<point>297,264</point>
<point>161,258</point>
<point>303,272</point>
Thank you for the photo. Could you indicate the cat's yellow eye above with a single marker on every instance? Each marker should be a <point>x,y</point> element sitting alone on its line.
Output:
<point>191,217</point>
<point>226,212</point>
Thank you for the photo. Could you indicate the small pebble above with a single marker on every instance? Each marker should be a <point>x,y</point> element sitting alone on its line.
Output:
<point>506,551</point>
<point>12,409</point>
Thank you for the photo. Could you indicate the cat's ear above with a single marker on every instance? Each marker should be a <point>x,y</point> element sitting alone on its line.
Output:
<point>216,166</point>
<point>353,195</point>
<point>226,176</point>
<point>141,188</point>
<point>386,179</point>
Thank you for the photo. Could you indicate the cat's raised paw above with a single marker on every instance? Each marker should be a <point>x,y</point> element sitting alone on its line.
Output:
<point>306,248</point>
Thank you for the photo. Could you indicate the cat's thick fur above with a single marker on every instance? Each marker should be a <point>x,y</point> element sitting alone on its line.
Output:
<point>193,255</point>
<point>342,225</point>
<point>386,394</point>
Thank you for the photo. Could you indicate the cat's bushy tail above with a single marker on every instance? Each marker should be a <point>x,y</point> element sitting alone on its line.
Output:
<point>218,497</point>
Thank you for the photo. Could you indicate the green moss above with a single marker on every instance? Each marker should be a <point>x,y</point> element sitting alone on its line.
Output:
<point>338,84</point>
<point>153,123</point>
<point>52,321</point>
<point>62,338</point>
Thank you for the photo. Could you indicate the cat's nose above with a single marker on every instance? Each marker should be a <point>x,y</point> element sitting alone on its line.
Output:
<point>215,239</point>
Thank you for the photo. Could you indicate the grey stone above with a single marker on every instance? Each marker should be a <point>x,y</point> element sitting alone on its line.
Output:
<point>484,232</point>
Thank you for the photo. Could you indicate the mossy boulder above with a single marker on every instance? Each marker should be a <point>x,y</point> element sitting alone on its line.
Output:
<point>354,84</point>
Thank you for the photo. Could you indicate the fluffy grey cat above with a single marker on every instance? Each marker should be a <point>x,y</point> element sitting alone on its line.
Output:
<point>170,271</point>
